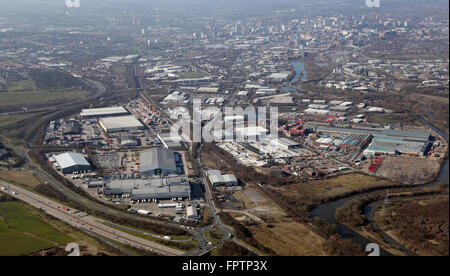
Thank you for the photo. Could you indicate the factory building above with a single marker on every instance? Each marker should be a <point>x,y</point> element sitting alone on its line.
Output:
<point>192,213</point>
<point>71,163</point>
<point>385,142</point>
<point>147,189</point>
<point>171,142</point>
<point>318,106</point>
<point>128,141</point>
<point>158,161</point>
<point>357,141</point>
<point>103,112</point>
<point>395,145</point>
<point>412,135</point>
<point>71,127</point>
<point>316,111</point>
<point>218,179</point>
<point>119,124</point>
<point>250,132</point>
<point>284,143</point>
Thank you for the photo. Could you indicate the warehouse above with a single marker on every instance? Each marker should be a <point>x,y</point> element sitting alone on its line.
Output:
<point>128,141</point>
<point>192,213</point>
<point>217,179</point>
<point>282,76</point>
<point>171,142</point>
<point>395,145</point>
<point>103,112</point>
<point>318,106</point>
<point>158,161</point>
<point>284,143</point>
<point>316,111</point>
<point>357,141</point>
<point>412,135</point>
<point>71,127</point>
<point>147,189</point>
<point>118,124</point>
<point>71,163</point>
<point>252,133</point>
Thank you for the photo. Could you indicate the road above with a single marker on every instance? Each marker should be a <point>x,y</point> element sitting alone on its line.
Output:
<point>224,229</point>
<point>82,221</point>
<point>198,233</point>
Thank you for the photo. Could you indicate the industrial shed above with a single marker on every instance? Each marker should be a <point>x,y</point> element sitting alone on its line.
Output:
<point>218,179</point>
<point>72,163</point>
<point>153,188</point>
<point>118,124</point>
<point>192,213</point>
<point>158,161</point>
<point>103,112</point>
<point>396,145</point>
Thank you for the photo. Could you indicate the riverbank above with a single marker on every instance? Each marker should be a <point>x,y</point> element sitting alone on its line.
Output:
<point>360,215</point>
<point>419,224</point>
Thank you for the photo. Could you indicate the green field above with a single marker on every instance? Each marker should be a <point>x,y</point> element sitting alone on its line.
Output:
<point>119,69</point>
<point>394,118</point>
<point>191,75</point>
<point>12,119</point>
<point>38,97</point>
<point>181,245</point>
<point>25,85</point>
<point>214,236</point>
<point>22,232</point>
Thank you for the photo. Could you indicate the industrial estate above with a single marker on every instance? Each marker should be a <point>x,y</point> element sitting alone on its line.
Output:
<point>357,153</point>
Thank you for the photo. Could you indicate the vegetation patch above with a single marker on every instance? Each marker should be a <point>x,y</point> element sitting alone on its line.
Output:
<point>22,232</point>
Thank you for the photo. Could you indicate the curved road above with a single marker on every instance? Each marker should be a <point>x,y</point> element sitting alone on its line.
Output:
<point>78,219</point>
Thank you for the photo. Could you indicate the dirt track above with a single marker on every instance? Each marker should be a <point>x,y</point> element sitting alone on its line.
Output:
<point>409,170</point>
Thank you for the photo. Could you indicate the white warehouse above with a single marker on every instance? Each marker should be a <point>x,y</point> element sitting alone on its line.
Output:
<point>118,124</point>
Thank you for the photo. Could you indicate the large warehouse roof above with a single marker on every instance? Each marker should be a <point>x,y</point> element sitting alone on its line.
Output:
<point>217,178</point>
<point>407,134</point>
<point>70,159</point>
<point>158,158</point>
<point>107,111</point>
<point>160,188</point>
<point>112,124</point>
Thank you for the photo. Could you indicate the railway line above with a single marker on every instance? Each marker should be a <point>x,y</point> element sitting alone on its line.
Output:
<point>85,222</point>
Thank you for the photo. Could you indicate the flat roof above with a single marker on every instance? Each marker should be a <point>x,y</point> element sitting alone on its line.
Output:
<point>120,122</point>
<point>157,158</point>
<point>409,134</point>
<point>92,112</point>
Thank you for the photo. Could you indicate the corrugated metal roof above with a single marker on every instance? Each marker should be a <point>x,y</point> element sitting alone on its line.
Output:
<point>157,158</point>
<point>92,112</point>
<point>70,159</point>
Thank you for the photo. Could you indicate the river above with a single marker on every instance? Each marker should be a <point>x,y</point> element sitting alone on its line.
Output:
<point>327,211</point>
<point>300,74</point>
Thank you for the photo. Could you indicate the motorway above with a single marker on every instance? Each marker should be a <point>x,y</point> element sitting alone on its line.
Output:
<point>198,233</point>
<point>82,221</point>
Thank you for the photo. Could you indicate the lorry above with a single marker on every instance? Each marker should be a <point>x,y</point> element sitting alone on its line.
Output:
<point>144,212</point>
